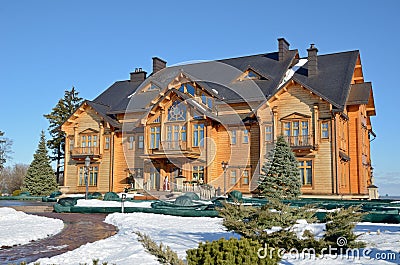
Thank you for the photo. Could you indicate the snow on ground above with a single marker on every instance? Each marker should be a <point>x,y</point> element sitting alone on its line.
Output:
<point>180,233</point>
<point>98,203</point>
<point>19,228</point>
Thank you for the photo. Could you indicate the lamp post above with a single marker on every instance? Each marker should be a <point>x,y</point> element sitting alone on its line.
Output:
<point>87,164</point>
<point>225,166</point>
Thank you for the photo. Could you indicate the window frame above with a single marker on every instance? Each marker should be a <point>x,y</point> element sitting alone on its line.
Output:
<point>303,166</point>
<point>325,130</point>
<point>198,134</point>
<point>140,141</point>
<point>245,136</point>
<point>93,175</point>
<point>155,137</point>
<point>131,142</point>
<point>106,142</point>
<point>269,133</point>
<point>198,173</point>
<point>231,177</point>
<point>245,176</point>
<point>233,137</point>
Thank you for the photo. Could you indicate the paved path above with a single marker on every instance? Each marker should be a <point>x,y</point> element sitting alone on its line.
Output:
<point>79,229</point>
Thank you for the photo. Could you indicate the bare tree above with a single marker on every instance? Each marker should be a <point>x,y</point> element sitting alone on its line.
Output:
<point>12,177</point>
<point>5,149</point>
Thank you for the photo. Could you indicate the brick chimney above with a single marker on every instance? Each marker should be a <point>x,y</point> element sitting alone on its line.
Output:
<point>158,64</point>
<point>312,61</point>
<point>283,47</point>
<point>138,75</point>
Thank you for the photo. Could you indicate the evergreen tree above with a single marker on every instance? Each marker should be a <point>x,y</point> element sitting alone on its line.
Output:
<point>59,114</point>
<point>40,179</point>
<point>280,178</point>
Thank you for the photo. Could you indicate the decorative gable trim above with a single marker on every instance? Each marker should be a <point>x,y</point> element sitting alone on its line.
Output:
<point>296,115</point>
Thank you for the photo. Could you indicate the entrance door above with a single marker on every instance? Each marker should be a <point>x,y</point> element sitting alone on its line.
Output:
<point>155,178</point>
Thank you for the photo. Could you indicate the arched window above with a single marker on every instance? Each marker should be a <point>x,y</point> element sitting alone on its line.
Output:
<point>177,112</point>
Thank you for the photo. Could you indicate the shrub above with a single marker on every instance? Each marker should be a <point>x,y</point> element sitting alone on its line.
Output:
<point>231,251</point>
<point>111,196</point>
<point>16,192</point>
<point>341,224</point>
<point>164,254</point>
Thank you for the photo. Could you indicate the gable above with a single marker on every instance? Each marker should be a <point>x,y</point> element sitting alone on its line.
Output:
<point>296,115</point>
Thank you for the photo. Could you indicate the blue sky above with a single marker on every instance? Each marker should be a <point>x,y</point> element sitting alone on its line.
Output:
<point>49,46</point>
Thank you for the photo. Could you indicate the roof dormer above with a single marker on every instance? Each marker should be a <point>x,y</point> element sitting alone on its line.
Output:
<point>250,74</point>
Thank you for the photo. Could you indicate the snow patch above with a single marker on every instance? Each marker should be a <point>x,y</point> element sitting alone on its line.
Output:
<point>18,228</point>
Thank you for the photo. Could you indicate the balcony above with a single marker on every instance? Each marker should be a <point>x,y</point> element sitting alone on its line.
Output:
<point>174,149</point>
<point>81,152</point>
<point>300,141</point>
<point>174,145</point>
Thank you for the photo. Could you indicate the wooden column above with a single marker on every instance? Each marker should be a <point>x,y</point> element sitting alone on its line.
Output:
<point>76,135</point>
<point>316,125</point>
<point>101,144</point>
<point>275,125</point>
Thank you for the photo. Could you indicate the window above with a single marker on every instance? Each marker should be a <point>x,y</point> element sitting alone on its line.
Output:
<point>154,137</point>
<point>107,143</point>
<point>233,137</point>
<point>140,141</point>
<point>183,133</point>
<point>233,177</point>
<point>187,88</point>
<point>245,177</point>
<point>306,172</point>
<point>325,130</point>
<point>131,142</point>
<point>245,136</point>
<point>249,74</point>
<point>92,175</point>
<point>71,143</point>
<point>152,87</point>
<point>198,134</point>
<point>88,140</point>
<point>296,132</point>
<point>268,133</point>
<point>177,112</point>
<point>198,173</point>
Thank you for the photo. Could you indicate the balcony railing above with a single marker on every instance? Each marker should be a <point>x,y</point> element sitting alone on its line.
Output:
<point>299,141</point>
<point>174,145</point>
<point>82,151</point>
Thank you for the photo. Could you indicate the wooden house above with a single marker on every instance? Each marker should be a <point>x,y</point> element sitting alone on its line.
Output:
<point>180,124</point>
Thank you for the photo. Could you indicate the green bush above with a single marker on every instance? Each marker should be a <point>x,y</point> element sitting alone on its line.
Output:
<point>232,251</point>
<point>340,224</point>
<point>164,254</point>
<point>111,196</point>
<point>16,192</point>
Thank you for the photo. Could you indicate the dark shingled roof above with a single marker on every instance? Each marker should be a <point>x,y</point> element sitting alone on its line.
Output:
<point>219,78</point>
<point>359,93</point>
<point>332,82</point>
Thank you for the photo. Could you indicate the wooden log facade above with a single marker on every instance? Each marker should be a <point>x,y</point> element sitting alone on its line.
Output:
<point>177,126</point>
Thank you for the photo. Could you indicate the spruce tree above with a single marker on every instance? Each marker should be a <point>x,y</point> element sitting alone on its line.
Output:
<point>40,179</point>
<point>59,114</point>
<point>280,178</point>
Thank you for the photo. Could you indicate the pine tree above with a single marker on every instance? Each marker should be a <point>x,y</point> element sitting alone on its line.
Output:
<point>40,179</point>
<point>59,114</point>
<point>280,178</point>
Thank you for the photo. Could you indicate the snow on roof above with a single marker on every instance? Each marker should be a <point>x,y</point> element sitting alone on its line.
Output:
<point>290,72</point>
